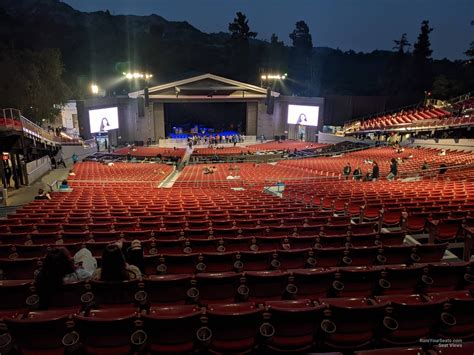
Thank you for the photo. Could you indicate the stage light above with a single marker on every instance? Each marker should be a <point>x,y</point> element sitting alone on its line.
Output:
<point>94,89</point>
<point>137,75</point>
<point>274,77</point>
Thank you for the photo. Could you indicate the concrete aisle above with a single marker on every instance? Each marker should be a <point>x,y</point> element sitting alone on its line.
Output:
<point>27,194</point>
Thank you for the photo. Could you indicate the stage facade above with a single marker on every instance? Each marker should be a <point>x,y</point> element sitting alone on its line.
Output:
<point>231,106</point>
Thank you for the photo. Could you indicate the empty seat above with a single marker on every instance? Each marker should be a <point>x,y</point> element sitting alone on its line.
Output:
<point>449,277</point>
<point>314,283</point>
<point>295,259</point>
<point>397,254</point>
<point>295,325</point>
<point>268,285</point>
<point>113,293</point>
<point>235,327</point>
<point>13,295</point>
<point>409,318</point>
<point>402,279</point>
<point>219,262</point>
<point>356,281</point>
<point>428,253</point>
<point>167,289</point>
<point>171,329</point>
<point>328,257</point>
<point>106,331</point>
<point>217,287</point>
<point>457,320</point>
<point>39,332</point>
<point>18,269</point>
<point>359,256</point>
<point>258,260</point>
<point>351,323</point>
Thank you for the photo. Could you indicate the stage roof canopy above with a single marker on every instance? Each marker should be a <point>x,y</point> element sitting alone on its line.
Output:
<point>207,86</point>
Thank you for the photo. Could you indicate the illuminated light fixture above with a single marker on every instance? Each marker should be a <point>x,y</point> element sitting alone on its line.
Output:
<point>95,89</point>
<point>274,77</point>
<point>137,75</point>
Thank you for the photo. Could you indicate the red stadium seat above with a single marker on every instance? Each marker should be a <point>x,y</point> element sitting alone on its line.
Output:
<point>161,325</point>
<point>39,332</point>
<point>235,327</point>
<point>284,315</point>
<point>106,331</point>
<point>314,283</point>
<point>351,325</point>
<point>217,287</point>
<point>409,319</point>
<point>167,289</point>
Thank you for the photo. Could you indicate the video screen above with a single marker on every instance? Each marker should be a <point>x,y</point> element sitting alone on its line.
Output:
<point>104,119</point>
<point>303,115</point>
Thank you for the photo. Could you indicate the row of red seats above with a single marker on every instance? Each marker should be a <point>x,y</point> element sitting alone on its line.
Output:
<point>256,286</point>
<point>383,157</point>
<point>329,324</point>
<point>221,240</point>
<point>186,261</point>
<point>151,152</point>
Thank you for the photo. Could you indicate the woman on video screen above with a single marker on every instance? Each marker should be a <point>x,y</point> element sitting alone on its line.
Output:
<point>104,123</point>
<point>302,119</point>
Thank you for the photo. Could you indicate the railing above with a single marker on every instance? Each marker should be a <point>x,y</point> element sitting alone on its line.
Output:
<point>35,130</point>
<point>10,118</point>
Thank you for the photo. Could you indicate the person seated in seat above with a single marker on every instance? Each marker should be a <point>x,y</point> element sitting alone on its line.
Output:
<point>114,267</point>
<point>375,171</point>
<point>42,195</point>
<point>357,175</point>
<point>64,185</point>
<point>443,168</point>
<point>135,255</point>
<point>346,171</point>
<point>425,166</point>
<point>58,269</point>
<point>71,173</point>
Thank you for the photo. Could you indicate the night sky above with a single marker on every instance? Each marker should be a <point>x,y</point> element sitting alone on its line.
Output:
<point>361,25</point>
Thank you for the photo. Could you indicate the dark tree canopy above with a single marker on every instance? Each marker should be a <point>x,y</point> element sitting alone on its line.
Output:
<point>240,30</point>
<point>31,81</point>
<point>301,37</point>
<point>470,51</point>
<point>401,44</point>
<point>422,46</point>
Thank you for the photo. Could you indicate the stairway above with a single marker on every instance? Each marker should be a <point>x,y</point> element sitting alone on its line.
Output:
<point>169,181</point>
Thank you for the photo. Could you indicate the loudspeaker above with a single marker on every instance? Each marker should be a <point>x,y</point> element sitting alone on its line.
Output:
<point>269,95</point>
<point>283,138</point>
<point>147,97</point>
<point>277,138</point>
<point>271,105</point>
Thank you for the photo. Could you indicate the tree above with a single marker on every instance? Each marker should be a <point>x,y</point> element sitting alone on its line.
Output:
<point>422,49</point>
<point>32,82</point>
<point>470,51</point>
<point>401,44</point>
<point>276,54</point>
<point>302,38</point>
<point>301,60</point>
<point>422,73</point>
<point>240,30</point>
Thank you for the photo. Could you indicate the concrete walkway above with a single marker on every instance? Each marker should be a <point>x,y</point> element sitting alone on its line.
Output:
<point>27,194</point>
